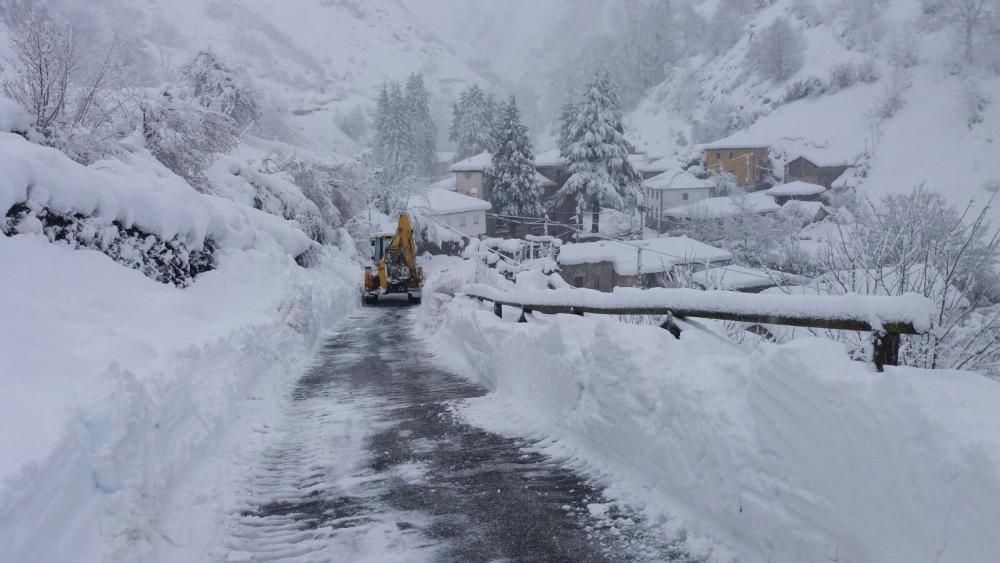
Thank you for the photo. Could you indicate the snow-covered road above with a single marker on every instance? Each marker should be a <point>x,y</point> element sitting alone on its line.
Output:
<point>371,464</point>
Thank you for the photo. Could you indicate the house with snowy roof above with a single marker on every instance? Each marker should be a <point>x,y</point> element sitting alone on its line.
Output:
<point>671,189</point>
<point>749,163</point>
<point>796,190</point>
<point>453,211</point>
<point>817,168</point>
<point>657,262</point>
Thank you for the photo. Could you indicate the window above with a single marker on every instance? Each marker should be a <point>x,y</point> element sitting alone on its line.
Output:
<point>461,220</point>
<point>578,281</point>
<point>684,196</point>
<point>475,219</point>
<point>730,155</point>
<point>718,155</point>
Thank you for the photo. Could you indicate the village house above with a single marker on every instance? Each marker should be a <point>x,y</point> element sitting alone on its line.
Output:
<point>470,175</point>
<point>457,213</point>
<point>658,262</point>
<point>749,164</point>
<point>797,191</point>
<point>672,189</point>
<point>815,170</point>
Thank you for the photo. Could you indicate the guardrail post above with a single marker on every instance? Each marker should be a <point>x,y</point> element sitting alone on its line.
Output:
<point>885,350</point>
<point>498,309</point>
<point>575,311</point>
<point>524,312</point>
<point>670,326</point>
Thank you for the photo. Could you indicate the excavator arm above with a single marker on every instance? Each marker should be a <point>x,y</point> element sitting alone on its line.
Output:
<point>395,264</point>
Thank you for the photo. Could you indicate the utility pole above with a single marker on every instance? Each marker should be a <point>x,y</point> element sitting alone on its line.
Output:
<point>638,266</point>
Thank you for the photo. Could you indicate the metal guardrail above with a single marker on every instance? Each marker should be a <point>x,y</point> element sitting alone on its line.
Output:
<point>886,338</point>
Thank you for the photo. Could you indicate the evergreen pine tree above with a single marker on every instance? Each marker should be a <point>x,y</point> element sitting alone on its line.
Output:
<point>393,136</point>
<point>422,128</point>
<point>595,147</point>
<point>514,188</point>
<point>472,127</point>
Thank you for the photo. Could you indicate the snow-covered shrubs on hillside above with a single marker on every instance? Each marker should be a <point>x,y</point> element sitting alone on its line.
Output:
<point>777,52</point>
<point>222,89</point>
<point>166,261</point>
<point>185,136</point>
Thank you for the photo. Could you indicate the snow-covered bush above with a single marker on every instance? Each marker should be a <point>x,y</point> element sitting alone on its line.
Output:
<point>220,88</point>
<point>718,120</point>
<point>777,52</point>
<point>807,87</point>
<point>918,242</point>
<point>842,76</point>
<point>861,24</point>
<point>166,261</point>
<point>893,95</point>
<point>186,136</point>
<point>807,11</point>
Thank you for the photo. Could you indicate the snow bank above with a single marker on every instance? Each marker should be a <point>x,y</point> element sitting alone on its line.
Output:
<point>786,453</point>
<point>875,310</point>
<point>135,191</point>
<point>115,386</point>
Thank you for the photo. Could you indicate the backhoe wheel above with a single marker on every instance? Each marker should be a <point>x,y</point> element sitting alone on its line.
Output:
<point>412,300</point>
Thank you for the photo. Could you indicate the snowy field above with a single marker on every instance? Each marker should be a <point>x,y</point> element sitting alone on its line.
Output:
<point>783,453</point>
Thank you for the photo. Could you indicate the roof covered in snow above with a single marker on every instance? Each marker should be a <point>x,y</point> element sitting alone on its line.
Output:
<point>543,181</point>
<point>677,179</point>
<point>658,255</point>
<point>808,208</point>
<point>663,164</point>
<point>477,163</point>
<point>741,277</point>
<point>796,188</point>
<point>722,207</point>
<point>444,202</point>
<point>550,158</point>
<point>447,183</point>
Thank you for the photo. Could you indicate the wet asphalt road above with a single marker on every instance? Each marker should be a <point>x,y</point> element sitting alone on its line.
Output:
<point>372,464</point>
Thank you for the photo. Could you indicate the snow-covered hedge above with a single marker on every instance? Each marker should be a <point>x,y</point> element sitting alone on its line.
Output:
<point>134,196</point>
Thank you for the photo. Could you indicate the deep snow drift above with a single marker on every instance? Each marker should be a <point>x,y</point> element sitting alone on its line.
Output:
<point>116,385</point>
<point>785,453</point>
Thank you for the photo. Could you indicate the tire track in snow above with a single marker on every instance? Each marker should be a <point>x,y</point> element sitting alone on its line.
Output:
<point>371,464</point>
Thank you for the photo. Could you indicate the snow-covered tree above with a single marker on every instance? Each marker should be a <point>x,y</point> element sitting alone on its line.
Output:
<point>514,188</point>
<point>423,131</point>
<point>218,87</point>
<point>472,124</point>
<point>777,51</point>
<point>597,151</point>
<point>46,51</point>
<point>186,136</point>
<point>971,19</point>
<point>393,136</point>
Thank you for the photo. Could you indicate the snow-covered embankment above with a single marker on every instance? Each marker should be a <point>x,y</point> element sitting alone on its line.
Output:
<point>785,453</point>
<point>123,396</point>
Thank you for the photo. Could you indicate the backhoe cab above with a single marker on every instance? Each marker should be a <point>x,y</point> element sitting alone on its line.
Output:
<point>395,269</point>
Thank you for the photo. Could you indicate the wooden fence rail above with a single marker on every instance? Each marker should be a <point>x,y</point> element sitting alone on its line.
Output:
<point>886,338</point>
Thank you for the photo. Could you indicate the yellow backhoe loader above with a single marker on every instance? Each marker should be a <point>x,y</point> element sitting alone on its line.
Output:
<point>395,269</point>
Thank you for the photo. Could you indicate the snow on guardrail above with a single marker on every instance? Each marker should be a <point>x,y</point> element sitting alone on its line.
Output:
<point>909,313</point>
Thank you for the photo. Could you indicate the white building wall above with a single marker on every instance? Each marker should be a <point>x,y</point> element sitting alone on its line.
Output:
<point>658,201</point>
<point>469,223</point>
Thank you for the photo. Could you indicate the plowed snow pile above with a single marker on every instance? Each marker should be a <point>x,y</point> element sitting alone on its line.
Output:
<point>785,453</point>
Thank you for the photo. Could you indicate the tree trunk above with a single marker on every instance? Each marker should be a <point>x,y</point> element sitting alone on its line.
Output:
<point>595,222</point>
